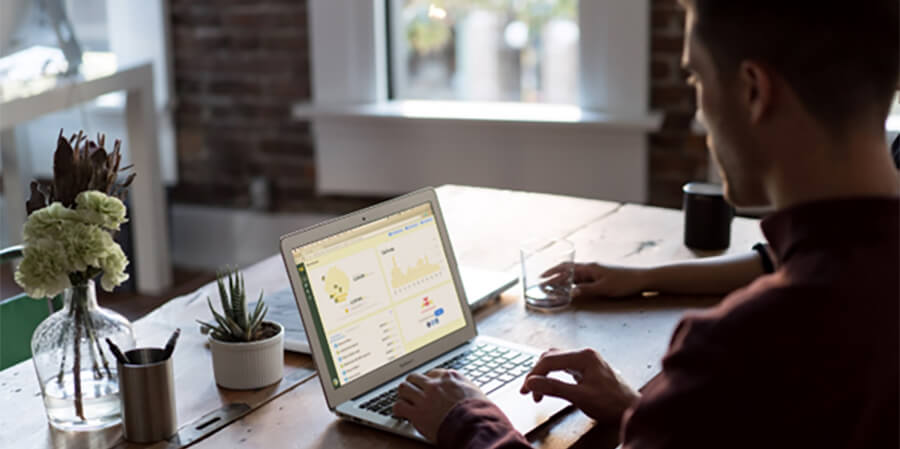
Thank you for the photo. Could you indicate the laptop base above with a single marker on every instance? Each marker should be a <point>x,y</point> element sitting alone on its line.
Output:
<point>524,414</point>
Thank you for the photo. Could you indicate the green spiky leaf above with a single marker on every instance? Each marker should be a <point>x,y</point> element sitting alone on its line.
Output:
<point>223,294</point>
<point>261,316</point>
<point>206,328</point>
<point>256,311</point>
<point>235,323</point>
<point>224,321</point>
<point>241,317</point>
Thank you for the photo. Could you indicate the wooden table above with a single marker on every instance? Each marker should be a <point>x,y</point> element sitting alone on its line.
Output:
<point>486,227</point>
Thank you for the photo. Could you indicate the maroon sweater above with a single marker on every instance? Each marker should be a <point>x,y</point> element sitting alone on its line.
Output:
<point>806,357</point>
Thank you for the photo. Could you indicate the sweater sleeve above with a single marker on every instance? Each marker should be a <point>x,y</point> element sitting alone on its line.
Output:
<point>478,424</point>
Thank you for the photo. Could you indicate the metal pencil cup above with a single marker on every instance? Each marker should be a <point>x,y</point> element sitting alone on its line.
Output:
<point>147,393</point>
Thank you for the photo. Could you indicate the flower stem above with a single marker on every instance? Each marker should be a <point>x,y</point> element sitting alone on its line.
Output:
<point>95,342</point>
<point>76,370</point>
<point>62,335</point>
<point>95,367</point>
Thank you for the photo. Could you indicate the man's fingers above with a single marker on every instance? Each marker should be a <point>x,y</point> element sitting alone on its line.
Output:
<point>581,272</point>
<point>561,268</point>
<point>575,375</point>
<point>560,361</point>
<point>524,389</point>
<point>410,393</point>
<point>418,380</point>
<point>590,289</point>
<point>547,386</point>
<point>403,409</point>
<point>587,272</point>
<point>557,279</point>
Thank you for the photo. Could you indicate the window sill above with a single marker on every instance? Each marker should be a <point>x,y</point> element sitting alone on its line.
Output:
<point>480,112</point>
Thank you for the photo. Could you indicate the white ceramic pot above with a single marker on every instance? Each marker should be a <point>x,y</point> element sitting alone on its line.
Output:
<point>246,366</point>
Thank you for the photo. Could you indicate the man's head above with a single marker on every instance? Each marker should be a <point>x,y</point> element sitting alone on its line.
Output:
<point>767,71</point>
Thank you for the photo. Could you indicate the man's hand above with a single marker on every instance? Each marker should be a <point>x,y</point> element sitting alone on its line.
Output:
<point>592,279</point>
<point>426,400</point>
<point>598,391</point>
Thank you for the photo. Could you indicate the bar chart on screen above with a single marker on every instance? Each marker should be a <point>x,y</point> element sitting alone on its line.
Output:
<point>414,262</point>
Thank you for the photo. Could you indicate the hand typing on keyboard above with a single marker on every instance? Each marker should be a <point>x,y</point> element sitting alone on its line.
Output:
<point>426,399</point>
<point>598,390</point>
<point>488,366</point>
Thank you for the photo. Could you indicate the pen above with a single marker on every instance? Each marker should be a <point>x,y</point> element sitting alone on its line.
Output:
<point>117,352</point>
<point>170,345</point>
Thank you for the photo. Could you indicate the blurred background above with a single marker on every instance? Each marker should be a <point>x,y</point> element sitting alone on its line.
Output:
<point>271,115</point>
<point>482,50</point>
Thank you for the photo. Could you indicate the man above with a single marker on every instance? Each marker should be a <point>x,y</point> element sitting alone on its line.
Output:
<point>794,95</point>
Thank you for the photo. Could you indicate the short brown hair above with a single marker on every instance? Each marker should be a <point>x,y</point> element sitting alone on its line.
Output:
<point>841,58</point>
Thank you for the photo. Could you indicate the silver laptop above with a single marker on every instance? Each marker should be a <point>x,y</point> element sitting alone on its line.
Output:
<point>481,286</point>
<point>381,296</point>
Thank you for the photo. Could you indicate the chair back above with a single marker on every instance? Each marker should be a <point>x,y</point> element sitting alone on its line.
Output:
<point>19,316</point>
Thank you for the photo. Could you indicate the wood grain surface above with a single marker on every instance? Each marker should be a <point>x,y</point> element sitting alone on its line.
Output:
<point>23,423</point>
<point>486,226</point>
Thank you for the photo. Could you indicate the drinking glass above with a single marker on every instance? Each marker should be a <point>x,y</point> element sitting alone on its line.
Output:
<point>548,274</point>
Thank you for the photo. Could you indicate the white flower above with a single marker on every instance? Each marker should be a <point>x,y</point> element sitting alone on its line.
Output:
<point>48,221</point>
<point>100,209</point>
<point>42,273</point>
<point>113,266</point>
<point>60,242</point>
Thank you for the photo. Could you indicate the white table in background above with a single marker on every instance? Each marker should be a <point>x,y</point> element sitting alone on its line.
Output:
<point>148,202</point>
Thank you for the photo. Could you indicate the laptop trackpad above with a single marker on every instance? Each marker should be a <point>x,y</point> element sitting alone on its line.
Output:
<point>522,411</point>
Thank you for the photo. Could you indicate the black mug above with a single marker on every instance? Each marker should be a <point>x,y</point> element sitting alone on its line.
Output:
<point>707,217</point>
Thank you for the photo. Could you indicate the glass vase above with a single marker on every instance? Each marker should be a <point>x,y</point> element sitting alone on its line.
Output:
<point>74,365</point>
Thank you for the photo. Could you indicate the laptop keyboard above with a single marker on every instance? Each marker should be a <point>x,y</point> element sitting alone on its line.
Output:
<point>489,366</point>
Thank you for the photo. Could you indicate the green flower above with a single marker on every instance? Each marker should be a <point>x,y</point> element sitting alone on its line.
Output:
<point>113,266</point>
<point>100,209</point>
<point>60,242</point>
<point>48,222</point>
<point>84,245</point>
<point>42,273</point>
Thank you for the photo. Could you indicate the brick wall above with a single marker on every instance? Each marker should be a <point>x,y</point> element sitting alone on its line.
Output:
<point>238,68</point>
<point>676,154</point>
<point>239,65</point>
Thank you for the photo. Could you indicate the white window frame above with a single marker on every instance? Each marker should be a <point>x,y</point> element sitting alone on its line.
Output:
<point>368,144</point>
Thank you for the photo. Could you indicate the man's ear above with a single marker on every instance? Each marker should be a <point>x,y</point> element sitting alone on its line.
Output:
<point>756,90</point>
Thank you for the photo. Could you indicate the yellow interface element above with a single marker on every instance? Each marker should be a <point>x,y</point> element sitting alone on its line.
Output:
<point>337,284</point>
<point>420,270</point>
<point>382,290</point>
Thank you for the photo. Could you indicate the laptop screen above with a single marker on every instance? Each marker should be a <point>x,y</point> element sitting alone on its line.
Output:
<point>379,291</point>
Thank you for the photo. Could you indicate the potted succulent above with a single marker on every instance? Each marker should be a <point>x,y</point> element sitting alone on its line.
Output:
<point>247,351</point>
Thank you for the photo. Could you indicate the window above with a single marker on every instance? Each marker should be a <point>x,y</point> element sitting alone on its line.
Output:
<point>368,141</point>
<point>484,50</point>
<point>30,49</point>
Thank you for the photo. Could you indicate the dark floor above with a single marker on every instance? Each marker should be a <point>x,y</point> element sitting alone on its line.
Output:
<point>130,304</point>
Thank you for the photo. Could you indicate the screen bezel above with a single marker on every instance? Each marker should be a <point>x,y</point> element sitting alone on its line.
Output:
<point>336,396</point>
